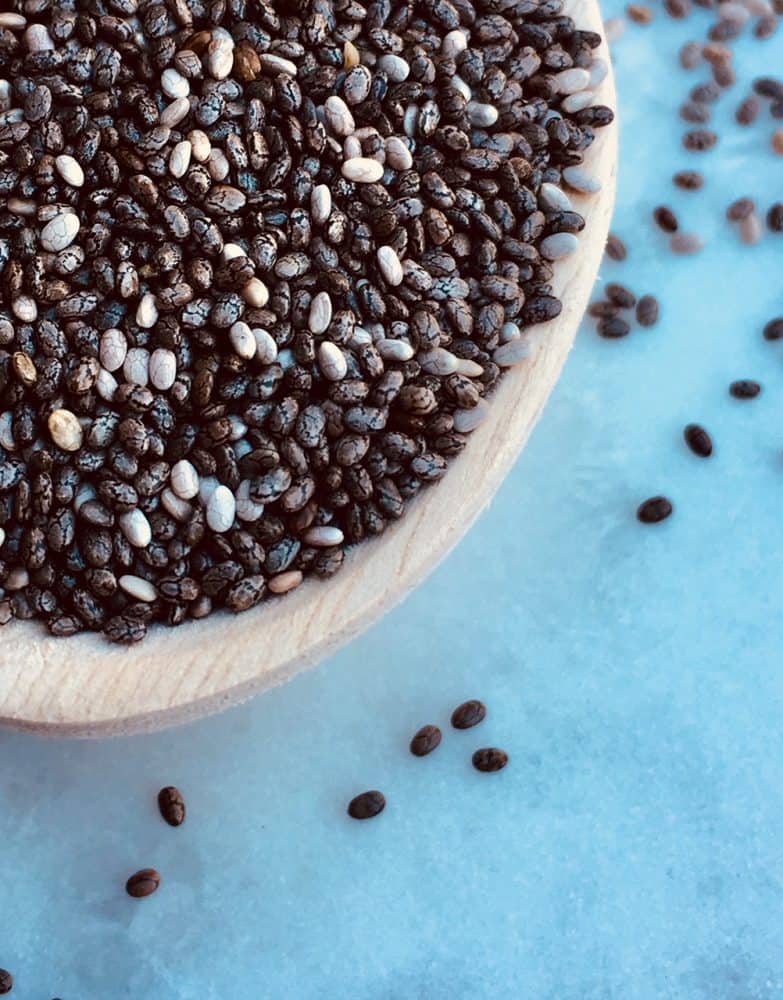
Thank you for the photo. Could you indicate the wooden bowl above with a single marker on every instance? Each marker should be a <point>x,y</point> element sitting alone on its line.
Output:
<point>85,686</point>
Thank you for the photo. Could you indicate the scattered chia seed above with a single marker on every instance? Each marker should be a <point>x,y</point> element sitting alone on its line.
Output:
<point>740,209</point>
<point>775,218</point>
<point>172,805</point>
<point>425,741</point>
<point>468,714</point>
<point>613,328</point>
<point>654,510</point>
<point>699,140</point>
<point>490,759</point>
<point>698,440</point>
<point>774,329</point>
<point>689,180</point>
<point>665,219</point>
<point>748,111</point>
<point>639,13</point>
<point>144,883</point>
<point>745,388</point>
<point>615,248</point>
<point>620,296</point>
<point>647,311</point>
<point>686,243</point>
<point>367,805</point>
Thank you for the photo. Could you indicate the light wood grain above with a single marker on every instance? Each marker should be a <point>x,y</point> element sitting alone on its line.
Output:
<point>87,687</point>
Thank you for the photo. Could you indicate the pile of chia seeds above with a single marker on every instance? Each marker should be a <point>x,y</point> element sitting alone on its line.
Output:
<point>261,265</point>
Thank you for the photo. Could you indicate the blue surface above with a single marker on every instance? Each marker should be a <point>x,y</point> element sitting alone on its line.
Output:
<point>632,848</point>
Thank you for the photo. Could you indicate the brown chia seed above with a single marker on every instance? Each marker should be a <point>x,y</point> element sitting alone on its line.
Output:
<point>367,805</point>
<point>774,329</point>
<point>666,219</point>
<point>777,141</point>
<point>723,74</point>
<point>143,883</point>
<point>686,243</point>
<point>689,180</point>
<point>751,229</point>
<point>172,805</point>
<point>715,53</point>
<point>654,510</point>
<point>698,440</point>
<point>6,982</point>
<point>690,55</point>
<point>490,759</point>
<point>699,140</point>
<point>468,714</point>
<point>705,93</point>
<point>677,9</point>
<point>740,209</point>
<point>602,310</point>
<point>616,248</point>
<point>620,296</point>
<point>639,13</point>
<point>647,310</point>
<point>748,111</point>
<point>613,328</point>
<point>768,86</point>
<point>425,741</point>
<point>765,27</point>
<point>775,218</point>
<point>745,388</point>
<point>695,113</point>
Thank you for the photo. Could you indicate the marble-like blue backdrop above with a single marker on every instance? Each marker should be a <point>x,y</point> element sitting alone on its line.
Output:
<point>632,849</point>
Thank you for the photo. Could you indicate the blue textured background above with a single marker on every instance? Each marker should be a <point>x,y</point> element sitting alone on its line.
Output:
<point>632,849</point>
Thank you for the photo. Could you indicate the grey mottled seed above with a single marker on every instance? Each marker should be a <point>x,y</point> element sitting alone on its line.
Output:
<point>559,246</point>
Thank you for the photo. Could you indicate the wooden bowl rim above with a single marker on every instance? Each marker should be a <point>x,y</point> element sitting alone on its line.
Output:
<point>86,687</point>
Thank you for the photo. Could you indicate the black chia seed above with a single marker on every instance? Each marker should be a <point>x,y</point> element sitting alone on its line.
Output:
<point>654,510</point>
<point>698,440</point>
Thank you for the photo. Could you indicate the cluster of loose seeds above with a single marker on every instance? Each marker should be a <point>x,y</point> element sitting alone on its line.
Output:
<point>261,265</point>
<point>368,804</point>
<point>619,300</point>
<point>751,221</point>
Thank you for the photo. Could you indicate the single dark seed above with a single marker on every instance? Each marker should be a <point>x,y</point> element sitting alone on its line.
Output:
<point>172,805</point>
<point>615,248</point>
<point>367,805</point>
<point>654,510</point>
<point>766,86</point>
<point>689,180</point>
<point>698,440</point>
<point>665,219</point>
<point>602,310</point>
<point>613,328</point>
<point>468,714</point>
<point>740,209</point>
<point>745,388</point>
<point>639,13</point>
<point>490,759</point>
<point>699,140</point>
<point>143,883</point>
<point>620,295</point>
<point>775,218</point>
<point>748,111</point>
<point>6,982</point>
<point>647,310</point>
<point>774,329</point>
<point>425,741</point>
